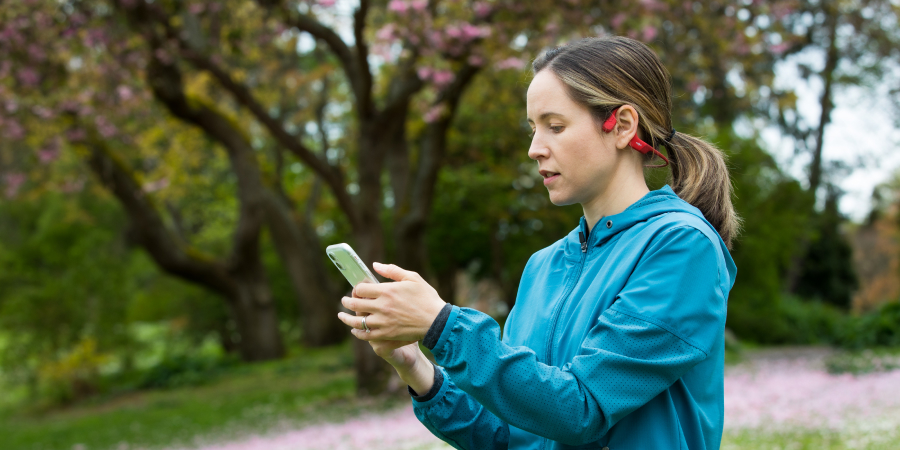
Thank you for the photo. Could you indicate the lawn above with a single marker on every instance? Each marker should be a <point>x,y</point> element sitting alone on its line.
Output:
<point>775,399</point>
<point>312,385</point>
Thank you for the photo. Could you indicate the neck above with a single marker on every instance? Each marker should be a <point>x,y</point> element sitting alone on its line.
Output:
<point>618,195</point>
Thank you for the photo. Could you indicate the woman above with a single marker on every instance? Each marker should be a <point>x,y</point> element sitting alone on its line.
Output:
<point>616,338</point>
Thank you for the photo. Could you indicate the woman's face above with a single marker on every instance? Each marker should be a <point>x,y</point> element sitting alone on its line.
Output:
<point>575,157</point>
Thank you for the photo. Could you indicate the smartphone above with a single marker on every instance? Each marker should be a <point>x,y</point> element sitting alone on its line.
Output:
<point>346,260</point>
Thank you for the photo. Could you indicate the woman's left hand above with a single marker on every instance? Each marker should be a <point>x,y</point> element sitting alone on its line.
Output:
<point>399,311</point>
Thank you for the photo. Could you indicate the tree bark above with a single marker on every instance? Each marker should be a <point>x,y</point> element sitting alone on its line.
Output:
<point>795,269</point>
<point>241,282</point>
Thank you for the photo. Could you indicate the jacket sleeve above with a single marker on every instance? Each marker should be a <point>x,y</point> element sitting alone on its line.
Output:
<point>663,322</point>
<point>459,420</point>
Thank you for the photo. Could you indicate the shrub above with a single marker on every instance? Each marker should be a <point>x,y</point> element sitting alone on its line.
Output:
<point>880,328</point>
<point>186,370</point>
<point>75,375</point>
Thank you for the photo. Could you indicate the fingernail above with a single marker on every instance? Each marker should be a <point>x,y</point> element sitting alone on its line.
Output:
<point>377,264</point>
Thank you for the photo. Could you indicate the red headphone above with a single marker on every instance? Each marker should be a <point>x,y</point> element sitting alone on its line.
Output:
<point>636,142</point>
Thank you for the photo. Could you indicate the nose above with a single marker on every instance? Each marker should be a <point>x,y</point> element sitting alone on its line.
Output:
<point>538,148</point>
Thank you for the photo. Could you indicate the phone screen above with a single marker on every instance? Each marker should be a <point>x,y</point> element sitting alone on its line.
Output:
<point>350,265</point>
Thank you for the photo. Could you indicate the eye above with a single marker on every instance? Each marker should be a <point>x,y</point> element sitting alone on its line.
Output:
<point>557,129</point>
<point>531,135</point>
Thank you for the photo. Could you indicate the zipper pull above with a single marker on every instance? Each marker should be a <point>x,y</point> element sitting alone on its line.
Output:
<point>583,242</point>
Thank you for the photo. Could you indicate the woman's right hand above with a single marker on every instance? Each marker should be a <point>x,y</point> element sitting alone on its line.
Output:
<point>408,360</point>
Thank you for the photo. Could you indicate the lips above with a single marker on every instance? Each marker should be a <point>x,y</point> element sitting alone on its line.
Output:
<point>549,176</point>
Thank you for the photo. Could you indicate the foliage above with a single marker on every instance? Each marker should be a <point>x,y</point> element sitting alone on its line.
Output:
<point>827,270</point>
<point>879,328</point>
<point>310,385</point>
<point>74,375</point>
<point>865,361</point>
<point>184,370</point>
<point>774,207</point>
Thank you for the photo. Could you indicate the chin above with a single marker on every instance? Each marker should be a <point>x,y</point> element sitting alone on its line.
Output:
<point>559,199</point>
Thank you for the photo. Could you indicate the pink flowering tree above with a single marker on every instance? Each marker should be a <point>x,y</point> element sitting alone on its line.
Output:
<point>321,115</point>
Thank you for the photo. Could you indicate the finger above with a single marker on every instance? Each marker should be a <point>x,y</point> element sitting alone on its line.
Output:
<point>395,273</point>
<point>367,290</point>
<point>351,320</point>
<point>363,336</point>
<point>360,305</point>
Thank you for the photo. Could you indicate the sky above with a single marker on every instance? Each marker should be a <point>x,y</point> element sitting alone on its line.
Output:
<point>863,130</point>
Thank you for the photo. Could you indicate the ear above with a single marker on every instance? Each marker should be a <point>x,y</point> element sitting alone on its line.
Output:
<point>626,125</point>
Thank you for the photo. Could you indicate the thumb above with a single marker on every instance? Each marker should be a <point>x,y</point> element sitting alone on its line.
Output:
<point>394,273</point>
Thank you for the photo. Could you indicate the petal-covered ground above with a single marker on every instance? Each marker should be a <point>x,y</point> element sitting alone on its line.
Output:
<point>772,394</point>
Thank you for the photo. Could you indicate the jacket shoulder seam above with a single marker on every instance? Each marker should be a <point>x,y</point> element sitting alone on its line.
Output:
<point>660,324</point>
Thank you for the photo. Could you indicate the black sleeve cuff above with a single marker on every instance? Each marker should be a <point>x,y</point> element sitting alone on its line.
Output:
<point>438,382</point>
<point>437,327</point>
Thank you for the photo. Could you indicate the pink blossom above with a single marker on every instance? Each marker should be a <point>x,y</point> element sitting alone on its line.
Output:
<point>418,5</point>
<point>386,33</point>
<point>105,128</point>
<point>778,49</point>
<point>124,92</point>
<point>42,112</point>
<point>617,20</point>
<point>797,393</point>
<point>326,3</point>
<point>424,73</point>
<point>454,32</point>
<point>11,106</point>
<point>510,63</point>
<point>653,5</point>
<point>648,33</point>
<point>434,113</point>
<point>476,61</point>
<point>398,6</point>
<point>395,430</point>
<point>196,8</point>
<point>14,181</point>
<point>470,31</point>
<point>442,78</point>
<point>14,129</point>
<point>482,9</point>
<point>49,152</point>
<point>95,37</point>
<point>693,85</point>
<point>28,76</point>
<point>36,53</point>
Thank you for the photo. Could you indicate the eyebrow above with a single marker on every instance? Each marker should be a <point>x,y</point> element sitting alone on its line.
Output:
<point>546,115</point>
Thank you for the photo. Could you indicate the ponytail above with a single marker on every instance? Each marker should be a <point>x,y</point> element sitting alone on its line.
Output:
<point>700,177</point>
<point>603,73</point>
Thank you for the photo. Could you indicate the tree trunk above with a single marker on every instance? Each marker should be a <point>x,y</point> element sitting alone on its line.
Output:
<point>255,315</point>
<point>302,255</point>
<point>815,168</point>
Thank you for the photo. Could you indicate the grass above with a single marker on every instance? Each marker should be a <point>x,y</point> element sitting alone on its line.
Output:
<point>312,385</point>
<point>807,440</point>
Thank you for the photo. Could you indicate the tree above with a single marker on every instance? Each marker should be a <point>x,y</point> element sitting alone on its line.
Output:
<point>360,105</point>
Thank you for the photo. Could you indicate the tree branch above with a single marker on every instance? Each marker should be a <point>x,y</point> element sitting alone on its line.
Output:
<point>433,149</point>
<point>355,63</point>
<point>150,229</point>
<point>331,175</point>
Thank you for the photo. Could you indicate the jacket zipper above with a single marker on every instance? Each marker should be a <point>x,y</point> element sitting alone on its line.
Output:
<point>565,298</point>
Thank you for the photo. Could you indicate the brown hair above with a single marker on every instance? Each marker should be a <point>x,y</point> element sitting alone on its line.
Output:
<point>603,73</point>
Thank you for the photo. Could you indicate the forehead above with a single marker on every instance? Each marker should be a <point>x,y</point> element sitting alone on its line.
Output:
<point>547,93</point>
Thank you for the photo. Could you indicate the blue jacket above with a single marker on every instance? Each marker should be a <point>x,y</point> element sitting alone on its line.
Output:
<point>617,343</point>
